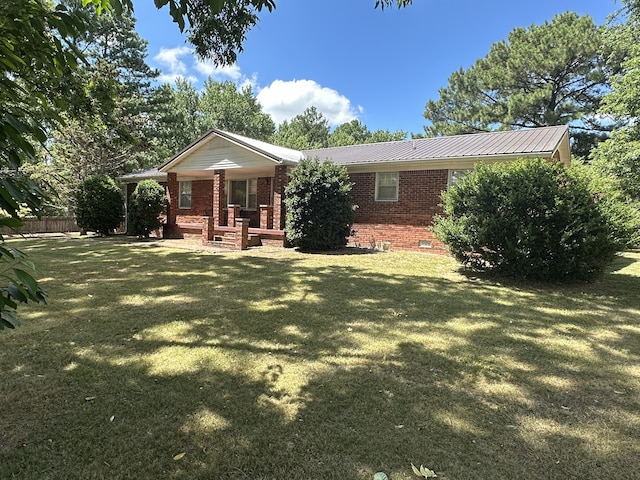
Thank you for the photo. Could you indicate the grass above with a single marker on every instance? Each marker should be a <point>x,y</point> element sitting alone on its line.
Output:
<point>272,364</point>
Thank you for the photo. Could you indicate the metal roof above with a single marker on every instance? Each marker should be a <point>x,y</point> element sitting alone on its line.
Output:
<point>152,173</point>
<point>543,141</point>
<point>536,141</point>
<point>274,151</point>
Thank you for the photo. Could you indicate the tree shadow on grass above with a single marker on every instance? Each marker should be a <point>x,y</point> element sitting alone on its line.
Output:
<point>280,368</point>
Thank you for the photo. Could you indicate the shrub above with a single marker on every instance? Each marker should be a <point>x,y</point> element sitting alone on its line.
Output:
<point>319,207</point>
<point>622,211</point>
<point>99,204</point>
<point>529,219</point>
<point>146,205</point>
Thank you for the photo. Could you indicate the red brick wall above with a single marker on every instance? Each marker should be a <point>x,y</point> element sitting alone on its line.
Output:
<point>201,199</point>
<point>405,222</point>
<point>219,199</point>
<point>201,205</point>
<point>401,225</point>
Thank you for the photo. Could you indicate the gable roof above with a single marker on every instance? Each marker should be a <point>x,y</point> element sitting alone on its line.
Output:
<point>543,141</point>
<point>279,155</point>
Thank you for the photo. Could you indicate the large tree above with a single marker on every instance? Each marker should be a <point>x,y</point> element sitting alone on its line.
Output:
<point>226,107</point>
<point>35,60</point>
<point>355,133</point>
<point>619,156</point>
<point>116,103</point>
<point>306,131</point>
<point>550,74</point>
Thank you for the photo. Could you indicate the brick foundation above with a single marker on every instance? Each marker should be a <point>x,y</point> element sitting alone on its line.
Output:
<point>396,237</point>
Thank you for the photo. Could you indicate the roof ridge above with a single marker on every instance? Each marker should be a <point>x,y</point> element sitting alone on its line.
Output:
<point>493,133</point>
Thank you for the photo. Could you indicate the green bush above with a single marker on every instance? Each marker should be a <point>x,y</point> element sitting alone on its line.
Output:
<point>319,207</point>
<point>622,211</point>
<point>146,205</point>
<point>528,218</point>
<point>99,204</point>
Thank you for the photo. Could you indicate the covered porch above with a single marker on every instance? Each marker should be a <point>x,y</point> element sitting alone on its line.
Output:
<point>228,190</point>
<point>199,207</point>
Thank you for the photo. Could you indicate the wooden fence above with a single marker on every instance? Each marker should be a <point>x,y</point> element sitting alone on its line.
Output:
<point>45,225</point>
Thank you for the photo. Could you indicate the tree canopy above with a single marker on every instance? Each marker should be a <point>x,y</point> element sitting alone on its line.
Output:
<point>35,59</point>
<point>224,106</point>
<point>306,131</point>
<point>550,74</point>
<point>355,132</point>
<point>216,28</point>
<point>619,156</point>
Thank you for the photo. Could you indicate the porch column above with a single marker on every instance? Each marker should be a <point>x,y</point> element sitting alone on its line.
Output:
<point>280,181</point>
<point>242,233</point>
<point>266,216</point>
<point>233,213</point>
<point>208,229</point>
<point>218,197</point>
<point>173,196</point>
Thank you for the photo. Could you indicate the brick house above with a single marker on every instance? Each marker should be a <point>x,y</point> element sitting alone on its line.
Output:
<point>229,189</point>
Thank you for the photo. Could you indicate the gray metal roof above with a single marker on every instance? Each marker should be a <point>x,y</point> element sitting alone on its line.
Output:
<point>152,173</point>
<point>542,141</point>
<point>288,155</point>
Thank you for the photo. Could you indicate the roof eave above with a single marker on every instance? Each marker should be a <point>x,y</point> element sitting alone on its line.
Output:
<point>477,158</point>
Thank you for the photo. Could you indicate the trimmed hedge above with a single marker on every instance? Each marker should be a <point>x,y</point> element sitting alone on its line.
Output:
<point>319,207</point>
<point>99,204</point>
<point>531,219</point>
<point>146,206</point>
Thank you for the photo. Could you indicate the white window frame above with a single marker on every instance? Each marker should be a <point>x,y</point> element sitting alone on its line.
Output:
<point>384,176</point>
<point>183,194</point>
<point>456,174</point>
<point>251,193</point>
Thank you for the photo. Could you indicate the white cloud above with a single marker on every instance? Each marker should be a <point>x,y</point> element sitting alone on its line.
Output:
<point>170,60</point>
<point>249,82</point>
<point>181,62</point>
<point>284,100</point>
<point>210,69</point>
<point>172,78</point>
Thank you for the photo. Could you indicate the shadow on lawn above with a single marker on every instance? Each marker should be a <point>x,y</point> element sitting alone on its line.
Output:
<point>467,377</point>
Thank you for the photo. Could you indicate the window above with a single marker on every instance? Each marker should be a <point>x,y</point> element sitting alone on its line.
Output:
<point>387,187</point>
<point>244,193</point>
<point>185,195</point>
<point>456,175</point>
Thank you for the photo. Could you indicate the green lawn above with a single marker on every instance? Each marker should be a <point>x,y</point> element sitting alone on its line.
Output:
<point>272,364</point>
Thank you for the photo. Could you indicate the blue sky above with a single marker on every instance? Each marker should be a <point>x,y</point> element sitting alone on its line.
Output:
<point>351,60</point>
